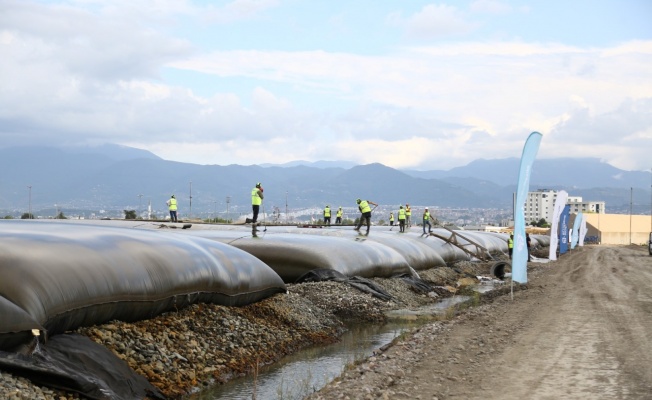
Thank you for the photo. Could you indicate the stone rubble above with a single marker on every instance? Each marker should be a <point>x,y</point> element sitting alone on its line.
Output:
<point>185,351</point>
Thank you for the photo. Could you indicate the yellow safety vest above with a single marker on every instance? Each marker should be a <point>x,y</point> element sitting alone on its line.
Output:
<point>426,215</point>
<point>510,243</point>
<point>391,216</point>
<point>401,214</point>
<point>173,204</point>
<point>364,207</point>
<point>255,198</point>
<point>339,212</point>
<point>408,211</point>
<point>327,212</point>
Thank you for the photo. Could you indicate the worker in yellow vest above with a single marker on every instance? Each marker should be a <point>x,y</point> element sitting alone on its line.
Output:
<point>365,216</point>
<point>510,245</point>
<point>401,219</point>
<point>172,207</point>
<point>408,215</point>
<point>426,221</point>
<point>338,216</point>
<point>256,201</point>
<point>327,215</point>
<point>391,218</point>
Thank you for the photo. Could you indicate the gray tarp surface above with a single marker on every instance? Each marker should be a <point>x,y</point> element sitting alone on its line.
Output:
<point>64,276</point>
<point>292,255</point>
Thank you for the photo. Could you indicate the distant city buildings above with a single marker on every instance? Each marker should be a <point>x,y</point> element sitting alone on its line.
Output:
<point>540,204</point>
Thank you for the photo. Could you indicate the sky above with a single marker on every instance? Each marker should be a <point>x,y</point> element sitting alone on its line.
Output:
<point>409,84</point>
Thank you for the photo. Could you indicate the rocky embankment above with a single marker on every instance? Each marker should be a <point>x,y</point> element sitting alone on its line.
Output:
<point>203,345</point>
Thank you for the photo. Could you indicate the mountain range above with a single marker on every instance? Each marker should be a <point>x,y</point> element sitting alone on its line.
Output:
<point>112,177</point>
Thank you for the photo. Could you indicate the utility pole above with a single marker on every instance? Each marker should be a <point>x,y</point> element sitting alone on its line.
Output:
<point>215,210</point>
<point>190,210</point>
<point>287,221</point>
<point>228,200</point>
<point>30,202</point>
<point>631,192</point>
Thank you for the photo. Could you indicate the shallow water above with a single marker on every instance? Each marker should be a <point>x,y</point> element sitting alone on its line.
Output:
<point>307,371</point>
<point>428,312</point>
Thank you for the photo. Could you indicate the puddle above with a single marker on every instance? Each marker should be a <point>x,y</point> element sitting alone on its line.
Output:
<point>485,287</point>
<point>428,312</point>
<point>307,371</point>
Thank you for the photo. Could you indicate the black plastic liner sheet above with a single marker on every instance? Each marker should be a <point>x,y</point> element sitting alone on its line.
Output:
<point>76,364</point>
<point>358,282</point>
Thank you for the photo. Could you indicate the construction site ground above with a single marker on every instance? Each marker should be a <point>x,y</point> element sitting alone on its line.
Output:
<point>581,328</point>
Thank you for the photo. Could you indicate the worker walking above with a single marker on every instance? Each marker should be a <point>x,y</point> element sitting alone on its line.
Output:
<point>172,207</point>
<point>365,213</point>
<point>391,218</point>
<point>408,215</point>
<point>401,219</point>
<point>256,201</point>
<point>426,221</point>
<point>510,245</point>
<point>327,215</point>
<point>338,216</point>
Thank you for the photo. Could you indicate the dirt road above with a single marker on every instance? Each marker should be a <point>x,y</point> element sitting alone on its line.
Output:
<point>581,330</point>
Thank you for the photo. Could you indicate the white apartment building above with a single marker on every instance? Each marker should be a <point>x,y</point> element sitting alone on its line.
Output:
<point>540,204</point>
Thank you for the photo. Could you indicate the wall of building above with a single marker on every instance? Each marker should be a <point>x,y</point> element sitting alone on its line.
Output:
<point>619,228</point>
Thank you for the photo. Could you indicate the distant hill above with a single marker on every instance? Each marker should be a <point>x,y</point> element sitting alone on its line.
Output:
<point>315,164</point>
<point>113,151</point>
<point>116,177</point>
<point>567,172</point>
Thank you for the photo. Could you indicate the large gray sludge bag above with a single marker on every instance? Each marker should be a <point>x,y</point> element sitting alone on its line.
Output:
<point>418,254</point>
<point>448,252</point>
<point>543,240</point>
<point>57,277</point>
<point>488,240</point>
<point>293,255</point>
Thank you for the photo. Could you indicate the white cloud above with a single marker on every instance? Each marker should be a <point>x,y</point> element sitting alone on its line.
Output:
<point>434,21</point>
<point>490,7</point>
<point>110,72</point>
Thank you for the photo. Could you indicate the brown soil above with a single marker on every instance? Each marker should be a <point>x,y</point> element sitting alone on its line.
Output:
<point>580,329</point>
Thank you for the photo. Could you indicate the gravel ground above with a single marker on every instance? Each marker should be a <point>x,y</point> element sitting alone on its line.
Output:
<point>203,345</point>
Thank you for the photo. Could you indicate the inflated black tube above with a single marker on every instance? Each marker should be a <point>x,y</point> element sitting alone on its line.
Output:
<point>418,254</point>
<point>69,275</point>
<point>448,252</point>
<point>465,239</point>
<point>488,240</point>
<point>442,250</point>
<point>543,240</point>
<point>16,326</point>
<point>291,255</point>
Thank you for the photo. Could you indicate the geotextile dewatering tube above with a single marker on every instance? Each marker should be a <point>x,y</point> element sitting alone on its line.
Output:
<point>57,277</point>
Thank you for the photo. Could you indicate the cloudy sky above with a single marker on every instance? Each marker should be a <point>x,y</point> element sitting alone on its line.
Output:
<point>410,84</point>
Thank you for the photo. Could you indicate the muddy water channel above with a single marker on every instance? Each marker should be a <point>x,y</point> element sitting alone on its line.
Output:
<point>307,371</point>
